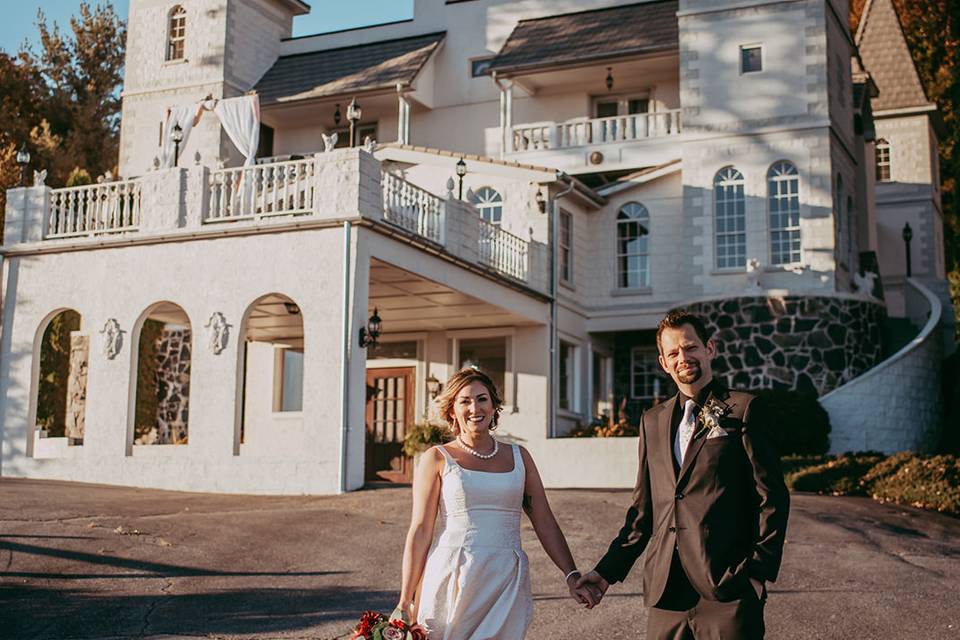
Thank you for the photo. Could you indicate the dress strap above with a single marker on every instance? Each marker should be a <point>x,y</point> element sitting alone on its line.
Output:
<point>517,459</point>
<point>450,462</point>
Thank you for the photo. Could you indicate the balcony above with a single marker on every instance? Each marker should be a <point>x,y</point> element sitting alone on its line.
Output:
<point>590,144</point>
<point>321,190</point>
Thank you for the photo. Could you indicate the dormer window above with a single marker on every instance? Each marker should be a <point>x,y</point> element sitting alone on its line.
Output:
<point>176,33</point>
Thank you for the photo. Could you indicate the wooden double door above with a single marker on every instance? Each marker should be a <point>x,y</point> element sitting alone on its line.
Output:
<point>390,400</point>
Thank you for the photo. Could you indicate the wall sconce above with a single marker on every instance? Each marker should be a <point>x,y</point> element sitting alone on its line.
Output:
<point>433,386</point>
<point>336,115</point>
<point>370,333</point>
<point>609,81</point>
<point>541,201</point>
<point>461,171</point>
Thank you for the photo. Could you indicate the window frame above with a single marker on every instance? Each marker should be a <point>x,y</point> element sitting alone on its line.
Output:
<point>883,147</point>
<point>508,393</point>
<point>656,371</point>
<point>279,379</point>
<point>491,205</point>
<point>565,246</point>
<point>724,179</point>
<point>622,258</point>
<point>750,47</point>
<point>775,177</point>
<point>176,41</point>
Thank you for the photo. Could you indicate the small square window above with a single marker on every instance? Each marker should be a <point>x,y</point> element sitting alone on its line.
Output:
<point>479,66</point>
<point>751,59</point>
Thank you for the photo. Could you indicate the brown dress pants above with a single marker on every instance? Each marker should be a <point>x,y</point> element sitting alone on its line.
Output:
<point>681,614</point>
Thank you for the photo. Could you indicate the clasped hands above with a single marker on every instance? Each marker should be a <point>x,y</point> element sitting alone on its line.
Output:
<point>587,589</point>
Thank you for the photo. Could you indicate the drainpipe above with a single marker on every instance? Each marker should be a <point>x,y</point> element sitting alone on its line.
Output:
<point>554,284</point>
<point>344,359</point>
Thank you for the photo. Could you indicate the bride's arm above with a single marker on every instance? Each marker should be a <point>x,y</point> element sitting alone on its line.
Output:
<point>426,498</point>
<point>537,508</point>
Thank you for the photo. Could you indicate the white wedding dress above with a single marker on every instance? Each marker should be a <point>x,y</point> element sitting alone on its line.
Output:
<point>476,583</point>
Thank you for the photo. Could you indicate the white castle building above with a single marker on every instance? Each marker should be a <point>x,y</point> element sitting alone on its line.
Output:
<point>532,185</point>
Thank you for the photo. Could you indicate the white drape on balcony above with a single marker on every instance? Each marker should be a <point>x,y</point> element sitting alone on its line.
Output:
<point>186,115</point>
<point>240,118</point>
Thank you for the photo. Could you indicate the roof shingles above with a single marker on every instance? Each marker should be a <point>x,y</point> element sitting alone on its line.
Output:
<point>336,72</point>
<point>886,56</point>
<point>597,34</point>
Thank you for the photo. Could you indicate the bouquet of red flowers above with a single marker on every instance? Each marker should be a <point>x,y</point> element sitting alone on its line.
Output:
<point>376,626</point>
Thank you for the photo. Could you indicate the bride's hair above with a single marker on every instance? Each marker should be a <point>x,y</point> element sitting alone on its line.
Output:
<point>444,401</point>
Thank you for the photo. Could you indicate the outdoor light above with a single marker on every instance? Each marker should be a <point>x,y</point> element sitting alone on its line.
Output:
<point>336,115</point>
<point>541,202</point>
<point>609,81</point>
<point>353,115</point>
<point>23,159</point>
<point>433,386</point>
<point>176,134</point>
<point>907,237</point>
<point>370,333</point>
<point>461,171</point>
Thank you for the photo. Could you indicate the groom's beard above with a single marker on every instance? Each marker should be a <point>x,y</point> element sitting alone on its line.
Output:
<point>690,374</point>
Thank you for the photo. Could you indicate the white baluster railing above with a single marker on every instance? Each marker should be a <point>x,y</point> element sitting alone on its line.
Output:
<point>409,207</point>
<point>107,207</point>
<point>583,132</point>
<point>502,250</point>
<point>273,189</point>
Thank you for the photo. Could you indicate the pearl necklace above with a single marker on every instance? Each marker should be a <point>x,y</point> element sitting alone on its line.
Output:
<point>472,451</point>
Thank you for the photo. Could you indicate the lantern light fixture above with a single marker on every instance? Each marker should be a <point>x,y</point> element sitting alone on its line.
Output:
<point>370,333</point>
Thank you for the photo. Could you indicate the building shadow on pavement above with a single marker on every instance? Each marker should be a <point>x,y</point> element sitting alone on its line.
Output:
<point>38,613</point>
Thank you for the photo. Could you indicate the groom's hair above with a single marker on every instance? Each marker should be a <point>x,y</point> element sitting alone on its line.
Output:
<point>676,319</point>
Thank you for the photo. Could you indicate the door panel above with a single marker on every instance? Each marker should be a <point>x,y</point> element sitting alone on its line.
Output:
<point>390,400</point>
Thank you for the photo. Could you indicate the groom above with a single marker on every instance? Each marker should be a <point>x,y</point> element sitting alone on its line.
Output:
<point>710,506</point>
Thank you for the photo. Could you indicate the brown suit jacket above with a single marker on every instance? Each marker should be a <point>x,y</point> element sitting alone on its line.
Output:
<point>725,511</point>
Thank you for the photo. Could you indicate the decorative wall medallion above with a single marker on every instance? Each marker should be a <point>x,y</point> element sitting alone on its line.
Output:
<point>218,333</point>
<point>112,338</point>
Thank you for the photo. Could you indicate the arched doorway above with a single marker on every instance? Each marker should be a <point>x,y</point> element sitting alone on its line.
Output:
<point>62,380</point>
<point>162,407</point>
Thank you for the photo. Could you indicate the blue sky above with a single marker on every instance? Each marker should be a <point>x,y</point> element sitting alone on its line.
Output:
<point>20,17</point>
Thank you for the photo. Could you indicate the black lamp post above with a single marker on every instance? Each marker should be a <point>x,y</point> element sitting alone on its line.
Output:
<point>176,134</point>
<point>23,159</point>
<point>461,171</point>
<point>353,115</point>
<point>370,333</point>
<point>907,237</point>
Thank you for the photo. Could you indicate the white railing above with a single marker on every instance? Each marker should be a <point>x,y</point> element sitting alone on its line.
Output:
<point>278,188</point>
<point>107,207</point>
<point>584,131</point>
<point>412,208</point>
<point>502,250</point>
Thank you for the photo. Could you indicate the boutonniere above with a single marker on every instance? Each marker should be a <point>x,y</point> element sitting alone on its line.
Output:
<point>711,413</point>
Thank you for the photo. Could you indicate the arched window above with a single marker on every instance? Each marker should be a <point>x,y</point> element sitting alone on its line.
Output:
<point>272,365</point>
<point>176,33</point>
<point>730,218</point>
<point>61,385</point>
<point>883,160</point>
<point>163,364</point>
<point>783,198</point>
<point>489,204</point>
<point>633,258</point>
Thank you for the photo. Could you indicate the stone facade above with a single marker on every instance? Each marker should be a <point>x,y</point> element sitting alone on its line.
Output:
<point>77,387</point>
<point>173,388</point>
<point>804,343</point>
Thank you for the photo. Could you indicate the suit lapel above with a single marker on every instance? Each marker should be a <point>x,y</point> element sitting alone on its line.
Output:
<point>720,394</point>
<point>663,427</point>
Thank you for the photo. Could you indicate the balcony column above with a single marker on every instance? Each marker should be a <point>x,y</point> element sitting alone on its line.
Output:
<point>403,117</point>
<point>508,115</point>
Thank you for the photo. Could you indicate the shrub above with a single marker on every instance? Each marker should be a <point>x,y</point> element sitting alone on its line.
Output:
<point>840,476</point>
<point>423,435</point>
<point>927,482</point>
<point>797,424</point>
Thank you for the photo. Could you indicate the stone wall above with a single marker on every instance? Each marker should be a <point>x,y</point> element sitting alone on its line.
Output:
<point>804,343</point>
<point>171,368</point>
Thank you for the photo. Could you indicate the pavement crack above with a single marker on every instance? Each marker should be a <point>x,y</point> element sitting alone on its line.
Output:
<point>165,590</point>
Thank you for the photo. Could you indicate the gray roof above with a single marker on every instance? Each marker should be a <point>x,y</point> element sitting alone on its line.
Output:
<point>347,70</point>
<point>593,35</point>
<point>884,51</point>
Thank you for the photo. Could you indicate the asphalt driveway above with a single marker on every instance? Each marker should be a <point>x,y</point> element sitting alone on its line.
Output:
<point>87,561</point>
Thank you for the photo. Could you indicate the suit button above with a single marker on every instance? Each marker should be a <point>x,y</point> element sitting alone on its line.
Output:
<point>679,496</point>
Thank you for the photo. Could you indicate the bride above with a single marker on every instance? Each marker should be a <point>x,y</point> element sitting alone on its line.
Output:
<point>465,576</point>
